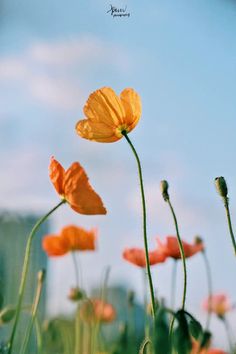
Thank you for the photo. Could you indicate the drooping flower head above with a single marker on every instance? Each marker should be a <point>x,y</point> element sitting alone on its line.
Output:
<point>108,114</point>
<point>73,186</point>
<point>71,238</point>
<point>218,304</point>
<point>136,256</point>
<point>170,247</point>
<point>97,310</point>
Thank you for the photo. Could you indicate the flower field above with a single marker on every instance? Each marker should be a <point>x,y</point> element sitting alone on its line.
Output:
<point>160,327</point>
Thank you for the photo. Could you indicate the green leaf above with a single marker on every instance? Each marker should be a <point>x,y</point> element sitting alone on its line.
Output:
<point>195,328</point>
<point>206,337</point>
<point>182,339</point>
<point>161,340</point>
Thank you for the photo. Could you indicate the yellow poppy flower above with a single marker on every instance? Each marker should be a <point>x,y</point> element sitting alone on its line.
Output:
<point>108,115</point>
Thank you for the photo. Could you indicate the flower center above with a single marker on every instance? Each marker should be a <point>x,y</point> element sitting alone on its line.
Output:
<point>120,129</point>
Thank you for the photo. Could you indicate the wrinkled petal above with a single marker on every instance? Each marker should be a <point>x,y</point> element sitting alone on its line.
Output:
<point>136,256</point>
<point>78,238</point>
<point>104,106</point>
<point>171,247</point>
<point>56,174</point>
<point>132,106</point>
<point>95,131</point>
<point>108,115</point>
<point>54,246</point>
<point>79,193</point>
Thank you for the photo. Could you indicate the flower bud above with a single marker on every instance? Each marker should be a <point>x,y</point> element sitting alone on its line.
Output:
<point>221,186</point>
<point>164,190</point>
<point>7,314</point>
<point>41,275</point>
<point>198,240</point>
<point>76,294</point>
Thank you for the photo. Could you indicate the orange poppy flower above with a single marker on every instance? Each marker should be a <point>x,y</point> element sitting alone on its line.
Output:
<point>171,248</point>
<point>107,115</point>
<point>218,303</point>
<point>72,238</point>
<point>95,310</point>
<point>73,186</point>
<point>136,256</point>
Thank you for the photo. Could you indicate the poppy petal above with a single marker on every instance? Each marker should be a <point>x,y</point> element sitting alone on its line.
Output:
<point>78,238</point>
<point>132,106</point>
<point>95,131</point>
<point>105,106</point>
<point>54,246</point>
<point>56,174</point>
<point>80,194</point>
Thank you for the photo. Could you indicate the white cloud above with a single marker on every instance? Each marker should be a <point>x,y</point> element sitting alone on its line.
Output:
<point>82,51</point>
<point>53,73</point>
<point>55,92</point>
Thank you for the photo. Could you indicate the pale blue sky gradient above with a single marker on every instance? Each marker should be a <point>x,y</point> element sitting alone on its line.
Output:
<point>181,58</point>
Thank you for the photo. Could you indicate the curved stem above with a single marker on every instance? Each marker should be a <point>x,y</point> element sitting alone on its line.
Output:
<point>173,284</point>
<point>41,277</point>
<point>25,272</point>
<point>144,223</point>
<point>209,282</point>
<point>227,329</point>
<point>181,253</point>
<point>76,269</point>
<point>226,204</point>
<point>183,262</point>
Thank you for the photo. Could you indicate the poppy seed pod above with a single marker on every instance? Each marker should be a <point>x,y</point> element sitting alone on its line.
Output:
<point>164,189</point>
<point>198,240</point>
<point>76,294</point>
<point>221,186</point>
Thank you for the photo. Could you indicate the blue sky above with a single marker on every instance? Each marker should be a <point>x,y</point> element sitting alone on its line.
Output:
<point>180,57</point>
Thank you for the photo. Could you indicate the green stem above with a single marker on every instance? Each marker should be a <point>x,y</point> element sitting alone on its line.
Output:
<point>226,204</point>
<point>38,335</point>
<point>144,223</point>
<point>103,297</point>
<point>173,284</point>
<point>73,254</point>
<point>144,345</point>
<point>209,282</point>
<point>183,262</point>
<point>227,329</point>
<point>181,253</point>
<point>77,331</point>
<point>41,277</point>
<point>25,272</point>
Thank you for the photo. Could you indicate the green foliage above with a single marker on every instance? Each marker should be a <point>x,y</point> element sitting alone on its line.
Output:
<point>181,337</point>
<point>206,337</point>
<point>195,328</point>
<point>160,340</point>
<point>122,345</point>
